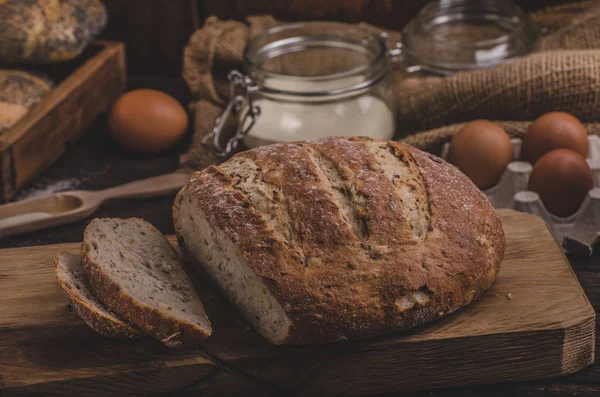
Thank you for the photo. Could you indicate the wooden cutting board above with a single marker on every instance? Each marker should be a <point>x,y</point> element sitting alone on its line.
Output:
<point>535,322</point>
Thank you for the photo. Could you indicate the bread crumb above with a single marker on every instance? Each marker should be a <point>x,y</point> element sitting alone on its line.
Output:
<point>509,296</point>
<point>246,330</point>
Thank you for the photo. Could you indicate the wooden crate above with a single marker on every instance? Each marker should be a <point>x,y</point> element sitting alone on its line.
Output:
<point>86,87</point>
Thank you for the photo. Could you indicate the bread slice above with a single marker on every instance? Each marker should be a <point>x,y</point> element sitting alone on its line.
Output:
<point>72,279</point>
<point>136,272</point>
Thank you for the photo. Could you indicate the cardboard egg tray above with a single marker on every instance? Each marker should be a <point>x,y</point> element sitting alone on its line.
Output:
<point>578,232</point>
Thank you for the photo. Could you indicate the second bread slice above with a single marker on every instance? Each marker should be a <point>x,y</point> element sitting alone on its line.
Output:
<point>136,272</point>
<point>72,279</point>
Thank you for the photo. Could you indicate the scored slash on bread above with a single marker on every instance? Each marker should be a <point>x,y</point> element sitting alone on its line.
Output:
<point>72,279</point>
<point>136,272</point>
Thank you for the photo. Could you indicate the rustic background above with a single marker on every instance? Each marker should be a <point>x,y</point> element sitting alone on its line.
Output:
<point>155,31</point>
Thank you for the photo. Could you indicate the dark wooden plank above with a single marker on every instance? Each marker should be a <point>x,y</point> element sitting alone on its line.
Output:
<point>586,263</point>
<point>226,382</point>
<point>389,14</point>
<point>154,31</point>
<point>7,182</point>
<point>68,359</point>
<point>514,390</point>
<point>193,379</point>
<point>590,281</point>
<point>162,27</point>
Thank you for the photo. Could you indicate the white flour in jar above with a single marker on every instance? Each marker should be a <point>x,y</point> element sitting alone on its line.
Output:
<point>294,118</point>
<point>365,115</point>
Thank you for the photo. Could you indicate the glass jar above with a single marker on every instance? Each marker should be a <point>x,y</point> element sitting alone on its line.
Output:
<point>306,81</point>
<point>448,36</point>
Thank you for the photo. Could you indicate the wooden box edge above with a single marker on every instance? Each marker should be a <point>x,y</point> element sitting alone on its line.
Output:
<point>11,177</point>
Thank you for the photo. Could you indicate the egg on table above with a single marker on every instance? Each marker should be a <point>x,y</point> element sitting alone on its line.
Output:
<point>147,121</point>
<point>562,178</point>
<point>482,151</point>
<point>554,130</point>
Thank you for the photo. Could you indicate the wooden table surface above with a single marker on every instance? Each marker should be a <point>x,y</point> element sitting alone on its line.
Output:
<point>96,162</point>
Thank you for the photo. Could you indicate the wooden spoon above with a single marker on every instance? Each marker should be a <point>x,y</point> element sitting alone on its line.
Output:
<point>65,207</point>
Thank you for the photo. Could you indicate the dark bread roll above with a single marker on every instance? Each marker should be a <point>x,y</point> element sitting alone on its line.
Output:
<point>340,238</point>
<point>46,31</point>
<point>19,92</point>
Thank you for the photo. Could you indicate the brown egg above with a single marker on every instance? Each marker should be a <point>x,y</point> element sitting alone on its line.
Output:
<point>481,150</point>
<point>554,130</point>
<point>147,121</point>
<point>563,179</point>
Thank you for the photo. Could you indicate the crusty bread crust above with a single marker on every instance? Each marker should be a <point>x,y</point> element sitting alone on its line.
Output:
<point>106,325</point>
<point>40,31</point>
<point>354,237</point>
<point>155,323</point>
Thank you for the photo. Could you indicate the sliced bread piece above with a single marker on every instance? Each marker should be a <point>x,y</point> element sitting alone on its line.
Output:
<point>136,272</point>
<point>72,279</point>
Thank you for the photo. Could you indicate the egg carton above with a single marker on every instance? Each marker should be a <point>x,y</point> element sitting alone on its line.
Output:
<point>578,232</point>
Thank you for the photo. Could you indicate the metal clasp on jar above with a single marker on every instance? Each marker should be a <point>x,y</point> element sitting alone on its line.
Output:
<point>241,108</point>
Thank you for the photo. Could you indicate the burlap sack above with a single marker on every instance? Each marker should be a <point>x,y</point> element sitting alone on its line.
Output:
<point>553,18</point>
<point>204,115</point>
<point>573,26</point>
<point>214,50</point>
<point>523,90</point>
<point>564,74</point>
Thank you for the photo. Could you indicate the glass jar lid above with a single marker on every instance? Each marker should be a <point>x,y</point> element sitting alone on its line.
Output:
<point>448,36</point>
<point>315,59</point>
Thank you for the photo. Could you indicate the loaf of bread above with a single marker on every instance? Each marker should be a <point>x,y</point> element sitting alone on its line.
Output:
<point>19,92</point>
<point>340,238</point>
<point>72,279</point>
<point>136,273</point>
<point>45,31</point>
